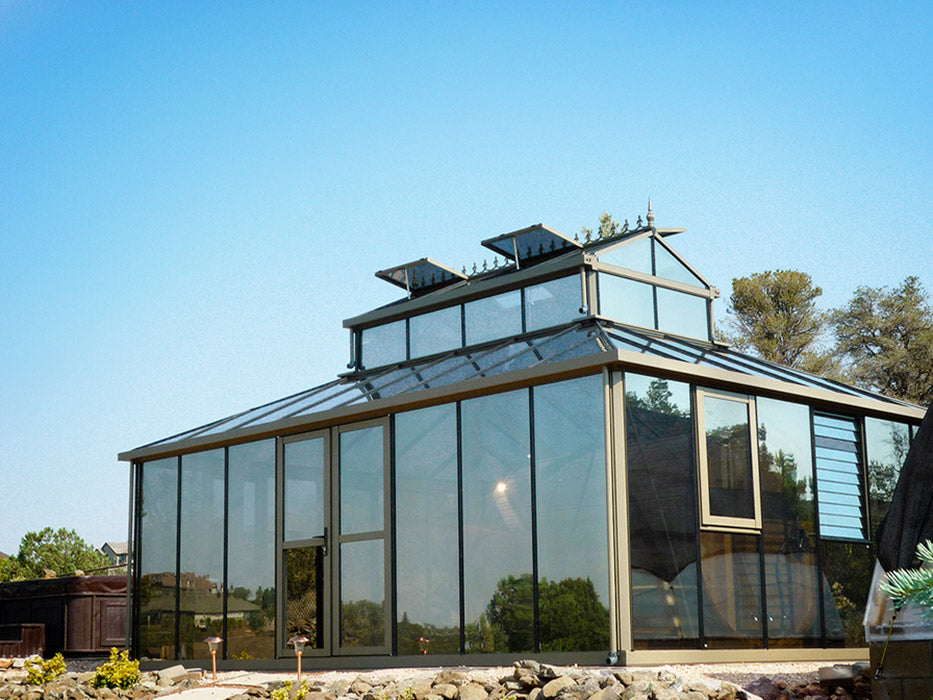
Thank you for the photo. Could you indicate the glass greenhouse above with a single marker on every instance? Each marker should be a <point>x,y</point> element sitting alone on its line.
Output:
<point>549,456</point>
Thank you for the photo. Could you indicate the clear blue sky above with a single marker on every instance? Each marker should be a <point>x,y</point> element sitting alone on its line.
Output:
<point>194,195</point>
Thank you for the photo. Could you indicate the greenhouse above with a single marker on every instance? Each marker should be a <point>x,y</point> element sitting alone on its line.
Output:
<point>549,455</point>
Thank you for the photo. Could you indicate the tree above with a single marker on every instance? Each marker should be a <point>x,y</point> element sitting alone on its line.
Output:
<point>886,339</point>
<point>774,314</point>
<point>62,551</point>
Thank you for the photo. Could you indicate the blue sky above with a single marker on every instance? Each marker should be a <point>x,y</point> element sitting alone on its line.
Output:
<point>194,195</point>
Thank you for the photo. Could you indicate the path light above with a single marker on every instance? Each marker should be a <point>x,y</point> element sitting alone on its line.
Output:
<point>213,643</point>
<point>299,643</point>
<point>423,642</point>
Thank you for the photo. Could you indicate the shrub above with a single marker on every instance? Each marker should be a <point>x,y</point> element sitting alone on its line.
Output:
<point>119,672</point>
<point>39,671</point>
<point>285,691</point>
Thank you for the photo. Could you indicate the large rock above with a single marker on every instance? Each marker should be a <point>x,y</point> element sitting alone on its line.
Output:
<point>552,688</point>
<point>452,677</point>
<point>472,691</point>
<point>445,690</point>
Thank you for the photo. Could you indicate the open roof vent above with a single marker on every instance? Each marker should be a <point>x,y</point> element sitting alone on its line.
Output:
<point>420,276</point>
<point>527,245</point>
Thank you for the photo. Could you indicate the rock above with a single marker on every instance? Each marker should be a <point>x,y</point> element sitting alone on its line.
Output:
<point>445,690</point>
<point>612,692</point>
<point>534,693</point>
<point>529,664</point>
<point>546,672</point>
<point>451,677</point>
<point>360,687</point>
<point>840,674</point>
<point>172,675</point>
<point>421,689</point>
<point>433,696</point>
<point>472,691</point>
<point>552,688</point>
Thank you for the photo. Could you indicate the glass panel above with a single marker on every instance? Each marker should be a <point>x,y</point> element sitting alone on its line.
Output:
<point>847,568</point>
<point>304,594</point>
<point>731,590</point>
<point>887,444</point>
<point>383,345</point>
<point>666,265</point>
<point>202,552</point>
<point>728,458</point>
<point>251,554</point>
<point>788,523</point>
<point>156,556</point>
<point>433,332</point>
<point>570,483</point>
<point>683,314</point>
<point>427,530</point>
<point>362,594</point>
<point>551,303</point>
<point>497,583</point>
<point>839,477</point>
<point>493,317</point>
<point>662,505</point>
<point>632,256</point>
<point>626,301</point>
<point>304,489</point>
<point>361,468</point>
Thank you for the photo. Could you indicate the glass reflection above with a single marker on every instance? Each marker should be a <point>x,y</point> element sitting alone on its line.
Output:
<point>887,444</point>
<point>731,590</point>
<point>383,345</point>
<point>668,266</point>
<point>156,559</point>
<point>626,301</point>
<point>847,567</point>
<point>304,594</point>
<point>362,594</point>
<point>662,506</point>
<point>570,483</point>
<point>632,256</point>
<point>361,491</point>
<point>788,523</point>
<point>251,551</point>
<point>304,488</point>
<point>497,581</point>
<point>683,314</point>
<point>498,316</point>
<point>728,458</point>
<point>551,303</point>
<point>437,331</point>
<point>428,592</point>
<point>201,576</point>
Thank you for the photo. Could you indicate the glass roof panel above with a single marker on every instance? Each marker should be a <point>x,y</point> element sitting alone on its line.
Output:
<point>420,275</point>
<point>667,265</point>
<point>579,339</point>
<point>526,244</point>
<point>635,255</point>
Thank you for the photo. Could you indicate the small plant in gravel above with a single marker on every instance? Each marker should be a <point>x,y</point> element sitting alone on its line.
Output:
<point>119,672</point>
<point>285,691</point>
<point>39,671</point>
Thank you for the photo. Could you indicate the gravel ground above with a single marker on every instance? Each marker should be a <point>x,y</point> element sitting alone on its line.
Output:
<point>739,674</point>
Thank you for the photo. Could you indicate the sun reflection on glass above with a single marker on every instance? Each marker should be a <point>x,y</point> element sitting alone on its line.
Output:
<point>501,487</point>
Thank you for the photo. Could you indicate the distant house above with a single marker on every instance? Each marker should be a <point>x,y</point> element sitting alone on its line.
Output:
<point>552,455</point>
<point>115,552</point>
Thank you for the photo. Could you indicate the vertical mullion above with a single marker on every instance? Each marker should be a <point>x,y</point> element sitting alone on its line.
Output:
<point>391,583</point>
<point>177,555</point>
<point>695,436</point>
<point>226,540</point>
<point>536,643</point>
<point>816,534</point>
<point>460,524</point>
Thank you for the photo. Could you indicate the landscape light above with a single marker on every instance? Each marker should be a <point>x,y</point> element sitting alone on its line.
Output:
<point>299,644</point>
<point>213,643</point>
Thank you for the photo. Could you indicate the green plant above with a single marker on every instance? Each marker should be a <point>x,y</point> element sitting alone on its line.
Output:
<point>119,672</point>
<point>39,671</point>
<point>285,691</point>
<point>913,585</point>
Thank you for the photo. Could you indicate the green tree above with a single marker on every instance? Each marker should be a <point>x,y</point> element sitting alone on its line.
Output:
<point>774,315</point>
<point>62,551</point>
<point>886,339</point>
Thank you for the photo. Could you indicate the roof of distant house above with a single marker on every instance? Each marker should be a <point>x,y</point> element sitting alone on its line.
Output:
<point>116,547</point>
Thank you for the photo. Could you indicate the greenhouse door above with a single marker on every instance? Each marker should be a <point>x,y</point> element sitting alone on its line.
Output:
<point>333,533</point>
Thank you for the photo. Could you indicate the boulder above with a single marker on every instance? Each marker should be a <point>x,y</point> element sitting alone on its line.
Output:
<point>445,690</point>
<point>472,691</point>
<point>552,688</point>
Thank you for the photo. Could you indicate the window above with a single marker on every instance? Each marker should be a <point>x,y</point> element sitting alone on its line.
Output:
<point>839,489</point>
<point>384,345</point>
<point>498,316</point>
<point>728,460</point>
<point>552,303</point>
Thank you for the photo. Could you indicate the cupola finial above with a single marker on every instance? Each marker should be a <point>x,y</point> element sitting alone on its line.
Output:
<point>650,216</point>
